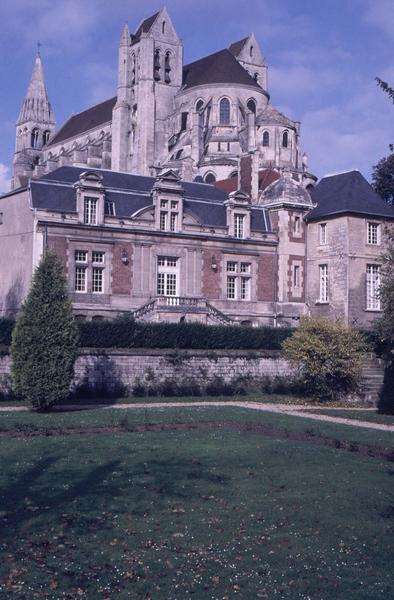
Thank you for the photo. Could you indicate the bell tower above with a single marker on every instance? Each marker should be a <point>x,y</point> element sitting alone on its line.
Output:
<point>34,127</point>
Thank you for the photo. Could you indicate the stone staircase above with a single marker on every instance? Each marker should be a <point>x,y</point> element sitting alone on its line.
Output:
<point>372,378</point>
<point>192,307</point>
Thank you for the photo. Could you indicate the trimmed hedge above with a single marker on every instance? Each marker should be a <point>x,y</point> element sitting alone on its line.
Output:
<point>126,333</point>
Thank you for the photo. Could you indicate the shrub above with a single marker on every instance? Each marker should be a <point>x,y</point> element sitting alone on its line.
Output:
<point>45,339</point>
<point>328,357</point>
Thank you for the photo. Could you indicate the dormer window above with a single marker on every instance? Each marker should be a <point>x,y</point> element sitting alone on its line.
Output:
<point>239,225</point>
<point>169,215</point>
<point>90,210</point>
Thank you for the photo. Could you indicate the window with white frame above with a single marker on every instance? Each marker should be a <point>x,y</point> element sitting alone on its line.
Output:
<point>238,280</point>
<point>373,234</point>
<point>169,215</point>
<point>239,226</point>
<point>373,285</point>
<point>90,210</point>
<point>323,234</point>
<point>323,283</point>
<point>167,276</point>
<point>89,271</point>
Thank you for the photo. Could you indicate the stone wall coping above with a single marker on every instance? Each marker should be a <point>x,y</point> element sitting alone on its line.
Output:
<point>186,352</point>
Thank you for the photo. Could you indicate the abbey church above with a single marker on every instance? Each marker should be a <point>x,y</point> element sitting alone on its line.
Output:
<point>187,196</point>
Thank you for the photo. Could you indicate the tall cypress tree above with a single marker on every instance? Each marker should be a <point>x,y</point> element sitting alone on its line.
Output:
<point>45,339</point>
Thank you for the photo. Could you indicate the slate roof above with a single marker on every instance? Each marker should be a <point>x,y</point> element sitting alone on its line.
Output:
<point>220,67</point>
<point>347,193</point>
<point>145,26</point>
<point>130,193</point>
<point>236,47</point>
<point>88,119</point>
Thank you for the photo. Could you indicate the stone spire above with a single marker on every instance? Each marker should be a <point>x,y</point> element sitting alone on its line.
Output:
<point>125,37</point>
<point>36,106</point>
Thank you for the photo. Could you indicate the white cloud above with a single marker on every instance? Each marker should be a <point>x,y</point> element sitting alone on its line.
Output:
<point>5,180</point>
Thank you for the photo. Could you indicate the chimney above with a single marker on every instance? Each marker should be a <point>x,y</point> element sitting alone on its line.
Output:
<point>249,175</point>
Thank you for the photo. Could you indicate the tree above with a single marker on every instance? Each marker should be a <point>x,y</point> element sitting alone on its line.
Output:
<point>45,339</point>
<point>383,179</point>
<point>385,87</point>
<point>328,357</point>
<point>386,325</point>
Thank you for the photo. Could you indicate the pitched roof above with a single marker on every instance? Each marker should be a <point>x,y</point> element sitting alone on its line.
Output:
<point>266,177</point>
<point>236,47</point>
<point>145,26</point>
<point>130,193</point>
<point>347,193</point>
<point>84,121</point>
<point>220,67</point>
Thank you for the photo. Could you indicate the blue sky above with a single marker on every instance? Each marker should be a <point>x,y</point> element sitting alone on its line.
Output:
<point>323,56</point>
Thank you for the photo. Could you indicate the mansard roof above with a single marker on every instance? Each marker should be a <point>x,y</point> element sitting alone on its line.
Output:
<point>84,121</point>
<point>220,67</point>
<point>346,193</point>
<point>131,193</point>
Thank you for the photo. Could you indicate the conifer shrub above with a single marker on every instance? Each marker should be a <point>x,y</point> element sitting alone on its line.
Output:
<point>45,339</point>
<point>327,356</point>
<point>6,327</point>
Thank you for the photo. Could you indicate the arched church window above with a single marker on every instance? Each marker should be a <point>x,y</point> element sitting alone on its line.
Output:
<point>34,138</point>
<point>285,139</point>
<point>133,69</point>
<point>167,67</point>
<point>251,51</point>
<point>163,27</point>
<point>45,137</point>
<point>266,138</point>
<point>251,105</point>
<point>157,66</point>
<point>210,178</point>
<point>233,174</point>
<point>224,110</point>
<point>199,105</point>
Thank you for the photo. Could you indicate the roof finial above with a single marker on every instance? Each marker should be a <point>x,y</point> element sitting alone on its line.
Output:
<point>39,48</point>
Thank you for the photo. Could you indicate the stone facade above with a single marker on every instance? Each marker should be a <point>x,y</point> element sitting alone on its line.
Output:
<point>197,118</point>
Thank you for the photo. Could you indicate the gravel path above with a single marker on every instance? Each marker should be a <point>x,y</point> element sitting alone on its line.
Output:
<point>274,408</point>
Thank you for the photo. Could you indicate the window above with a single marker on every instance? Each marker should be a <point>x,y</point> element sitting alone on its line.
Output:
<point>251,51</point>
<point>167,67</point>
<point>156,66</point>
<point>163,27</point>
<point>297,225</point>
<point>45,137</point>
<point>224,110</point>
<point>373,285</point>
<point>199,105</point>
<point>256,77</point>
<point>167,276</point>
<point>219,146</point>
<point>169,215</point>
<point>323,283</point>
<point>296,276</point>
<point>210,178</point>
<point>266,139</point>
<point>238,280</point>
<point>239,229</point>
<point>323,234</point>
<point>90,211</point>
<point>34,138</point>
<point>285,139</point>
<point>184,121</point>
<point>89,262</point>
<point>251,105</point>
<point>373,235</point>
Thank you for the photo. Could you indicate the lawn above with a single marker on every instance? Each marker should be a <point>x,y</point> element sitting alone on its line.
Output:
<point>168,515</point>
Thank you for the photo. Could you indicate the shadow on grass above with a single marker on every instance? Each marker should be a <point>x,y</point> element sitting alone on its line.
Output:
<point>47,493</point>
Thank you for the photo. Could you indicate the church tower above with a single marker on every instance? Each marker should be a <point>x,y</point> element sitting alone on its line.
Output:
<point>34,126</point>
<point>149,76</point>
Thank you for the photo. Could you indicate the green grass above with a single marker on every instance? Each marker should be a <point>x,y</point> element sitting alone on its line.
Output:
<point>26,421</point>
<point>205,515</point>
<point>361,415</point>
